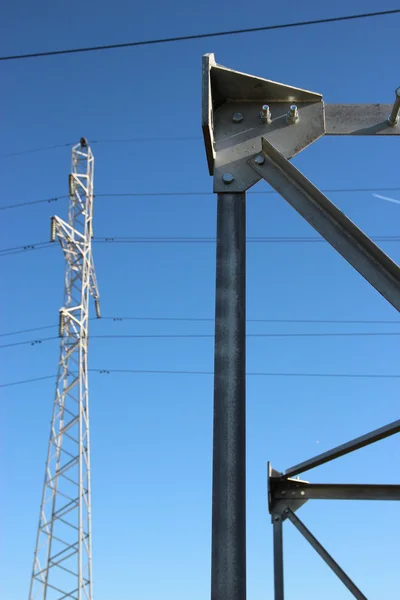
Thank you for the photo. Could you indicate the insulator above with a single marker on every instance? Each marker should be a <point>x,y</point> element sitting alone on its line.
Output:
<point>71,184</point>
<point>53,229</point>
<point>61,324</point>
<point>97,307</point>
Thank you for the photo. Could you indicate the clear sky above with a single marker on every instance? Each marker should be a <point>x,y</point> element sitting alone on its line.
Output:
<point>151,433</point>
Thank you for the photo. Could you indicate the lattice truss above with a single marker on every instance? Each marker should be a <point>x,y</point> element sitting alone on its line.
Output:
<point>62,565</point>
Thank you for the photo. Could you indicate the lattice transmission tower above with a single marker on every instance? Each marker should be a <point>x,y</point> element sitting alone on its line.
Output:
<point>62,567</point>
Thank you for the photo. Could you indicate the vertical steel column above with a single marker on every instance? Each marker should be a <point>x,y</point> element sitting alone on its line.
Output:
<point>278,558</point>
<point>228,571</point>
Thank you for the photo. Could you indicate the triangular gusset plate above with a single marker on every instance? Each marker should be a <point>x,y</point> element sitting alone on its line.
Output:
<point>225,90</point>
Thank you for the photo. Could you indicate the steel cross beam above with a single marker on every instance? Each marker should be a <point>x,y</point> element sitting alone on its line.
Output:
<point>252,127</point>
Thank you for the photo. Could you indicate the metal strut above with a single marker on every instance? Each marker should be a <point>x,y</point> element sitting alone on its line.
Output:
<point>62,566</point>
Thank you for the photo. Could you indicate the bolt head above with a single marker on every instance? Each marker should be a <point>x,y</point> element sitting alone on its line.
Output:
<point>260,160</point>
<point>398,92</point>
<point>237,117</point>
<point>228,178</point>
<point>293,108</point>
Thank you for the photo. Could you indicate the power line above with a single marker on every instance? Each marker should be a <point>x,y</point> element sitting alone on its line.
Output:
<point>200,36</point>
<point>189,240</point>
<point>190,336</point>
<point>33,202</point>
<point>212,320</point>
<point>136,140</point>
<point>194,194</point>
<point>187,372</point>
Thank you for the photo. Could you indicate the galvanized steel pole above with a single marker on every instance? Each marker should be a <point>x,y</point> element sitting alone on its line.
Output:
<point>228,572</point>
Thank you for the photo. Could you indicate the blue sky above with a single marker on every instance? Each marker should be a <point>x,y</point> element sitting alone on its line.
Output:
<point>151,434</point>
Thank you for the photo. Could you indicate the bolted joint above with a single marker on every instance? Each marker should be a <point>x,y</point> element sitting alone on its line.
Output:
<point>293,114</point>
<point>265,114</point>
<point>237,117</point>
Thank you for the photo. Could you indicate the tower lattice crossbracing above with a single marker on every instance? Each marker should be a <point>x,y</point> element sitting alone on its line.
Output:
<point>62,567</point>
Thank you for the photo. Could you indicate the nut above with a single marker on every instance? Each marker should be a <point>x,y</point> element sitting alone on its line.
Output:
<point>293,114</point>
<point>265,114</point>
<point>260,160</point>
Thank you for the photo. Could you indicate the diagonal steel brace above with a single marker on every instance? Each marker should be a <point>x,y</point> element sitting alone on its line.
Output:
<point>333,225</point>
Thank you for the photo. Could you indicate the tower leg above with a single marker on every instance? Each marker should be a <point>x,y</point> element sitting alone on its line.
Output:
<point>228,572</point>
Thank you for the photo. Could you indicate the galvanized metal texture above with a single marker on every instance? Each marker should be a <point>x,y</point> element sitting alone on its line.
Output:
<point>228,572</point>
<point>62,566</point>
<point>359,442</point>
<point>333,225</point>
<point>221,86</point>
<point>295,490</point>
<point>235,143</point>
<point>359,119</point>
<point>345,579</point>
<point>278,558</point>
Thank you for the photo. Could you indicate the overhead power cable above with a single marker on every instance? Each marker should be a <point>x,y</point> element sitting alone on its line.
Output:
<point>189,240</point>
<point>135,140</point>
<point>185,38</point>
<point>187,372</point>
<point>190,336</point>
<point>194,194</point>
<point>212,320</point>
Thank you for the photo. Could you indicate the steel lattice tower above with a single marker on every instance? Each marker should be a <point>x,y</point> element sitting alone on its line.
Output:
<point>62,566</point>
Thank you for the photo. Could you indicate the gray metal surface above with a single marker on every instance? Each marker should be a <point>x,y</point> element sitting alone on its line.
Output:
<point>337,229</point>
<point>359,119</point>
<point>293,490</point>
<point>228,571</point>
<point>360,442</point>
<point>235,143</point>
<point>278,558</point>
<point>345,579</point>
<point>222,86</point>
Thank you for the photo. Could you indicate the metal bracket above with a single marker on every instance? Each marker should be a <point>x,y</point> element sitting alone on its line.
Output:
<point>239,109</point>
<point>233,124</point>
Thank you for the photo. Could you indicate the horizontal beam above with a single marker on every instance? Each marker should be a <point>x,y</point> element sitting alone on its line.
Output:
<point>294,490</point>
<point>359,119</point>
<point>345,579</point>
<point>356,444</point>
<point>333,225</point>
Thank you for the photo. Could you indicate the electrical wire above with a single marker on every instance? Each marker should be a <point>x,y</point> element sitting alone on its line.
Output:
<point>212,320</point>
<point>194,194</point>
<point>184,38</point>
<point>187,372</point>
<point>188,240</point>
<point>191,336</point>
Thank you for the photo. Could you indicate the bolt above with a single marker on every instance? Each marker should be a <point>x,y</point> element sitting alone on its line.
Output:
<point>293,114</point>
<point>260,160</point>
<point>283,493</point>
<point>302,493</point>
<point>265,114</point>
<point>237,117</point>
<point>228,178</point>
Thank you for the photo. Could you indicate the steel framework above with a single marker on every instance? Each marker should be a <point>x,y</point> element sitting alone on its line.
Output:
<point>62,566</point>
<point>252,127</point>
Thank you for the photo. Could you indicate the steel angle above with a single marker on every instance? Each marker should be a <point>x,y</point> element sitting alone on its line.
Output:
<point>333,225</point>
<point>359,119</point>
